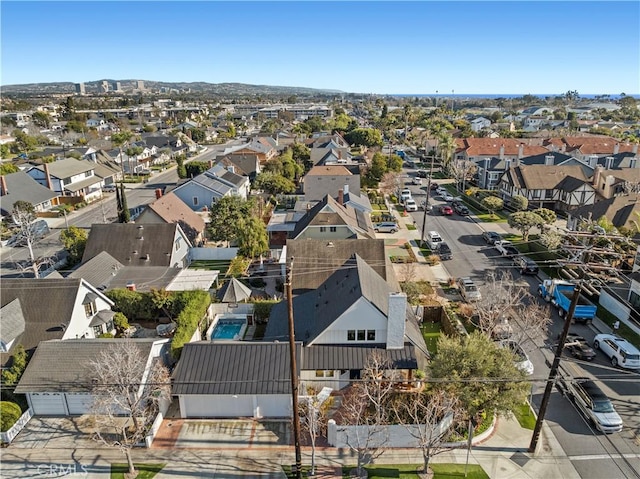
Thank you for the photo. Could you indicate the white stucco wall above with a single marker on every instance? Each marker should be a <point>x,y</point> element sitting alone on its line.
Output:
<point>361,315</point>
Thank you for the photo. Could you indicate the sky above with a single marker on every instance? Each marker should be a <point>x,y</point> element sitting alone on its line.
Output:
<point>418,47</point>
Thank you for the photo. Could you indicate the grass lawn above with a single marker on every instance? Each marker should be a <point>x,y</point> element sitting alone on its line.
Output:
<point>486,217</point>
<point>146,471</point>
<point>525,416</point>
<point>222,266</point>
<point>431,333</point>
<point>442,471</point>
<point>411,227</point>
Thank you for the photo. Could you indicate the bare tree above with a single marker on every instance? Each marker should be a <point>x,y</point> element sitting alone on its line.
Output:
<point>462,170</point>
<point>390,183</point>
<point>126,395</point>
<point>24,215</point>
<point>502,300</point>
<point>314,410</point>
<point>365,407</point>
<point>430,419</point>
<point>409,272</point>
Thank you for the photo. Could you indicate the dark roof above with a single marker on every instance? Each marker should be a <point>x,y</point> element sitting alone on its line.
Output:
<point>21,187</point>
<point>308,254</point>
<point>66,365</point>
<point>328,212</point>
<point>233,291</point>
<point>619,210</point>
<point>123,242</point>
<point>47,305</point>
<point>12,321</point>
<point>355,356</point>
<point>233,367</point>
<point>160,141</point>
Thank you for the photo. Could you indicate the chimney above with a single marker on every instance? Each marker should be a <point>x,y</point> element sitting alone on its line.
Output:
<point>3,186</point>
<point>520,151</point>
<point>345,188</point>
<point>158,193</point>
<point>396,318</point>
<point>597,172</point>
<point>633,162</point>
<point>131,286</point>
<point>609,162</point>
<point>616,148</point>
<point>210,164</point>
<point>502,152</point>
<point>341,196</point>
<point>339,154</point>
<point>507,164</point>
<point>549,159</point>
<point>593,161</point>
<point>48,176</point>
<point>635,149</point>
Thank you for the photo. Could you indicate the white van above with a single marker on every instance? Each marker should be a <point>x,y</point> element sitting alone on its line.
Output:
<point>434,239</point>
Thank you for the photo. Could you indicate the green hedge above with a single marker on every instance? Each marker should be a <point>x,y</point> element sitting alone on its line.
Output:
<point>195,307</point>
<point>10,412</point>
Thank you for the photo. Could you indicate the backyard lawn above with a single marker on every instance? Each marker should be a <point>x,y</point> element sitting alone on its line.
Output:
<point>220,265</point>
<point>431,333</point>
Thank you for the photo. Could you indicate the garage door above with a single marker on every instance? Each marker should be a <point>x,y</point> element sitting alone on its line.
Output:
<point>217,406</point>
<point>47,404</point>
<point>79,403</point>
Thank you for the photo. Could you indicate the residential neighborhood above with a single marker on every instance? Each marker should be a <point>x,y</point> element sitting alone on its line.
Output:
<point>271,264</point>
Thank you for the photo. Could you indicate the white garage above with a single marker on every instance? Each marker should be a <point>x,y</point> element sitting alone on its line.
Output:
<point>47,404</point>
<point>233,379</point>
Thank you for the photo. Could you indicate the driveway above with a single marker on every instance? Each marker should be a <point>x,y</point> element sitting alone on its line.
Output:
<point>57,433</point>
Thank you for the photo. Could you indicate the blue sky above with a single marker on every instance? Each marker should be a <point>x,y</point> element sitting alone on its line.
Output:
<point>508,47</point>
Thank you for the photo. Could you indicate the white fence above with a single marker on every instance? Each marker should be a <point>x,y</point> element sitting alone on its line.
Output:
<point>7,437</point>
<point>221,254</point>
<point>163,408</point>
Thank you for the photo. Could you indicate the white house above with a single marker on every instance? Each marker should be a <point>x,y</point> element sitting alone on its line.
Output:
<point>69,177</point>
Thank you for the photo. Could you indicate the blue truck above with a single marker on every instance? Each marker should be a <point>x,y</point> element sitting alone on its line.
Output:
<point>559,293</point>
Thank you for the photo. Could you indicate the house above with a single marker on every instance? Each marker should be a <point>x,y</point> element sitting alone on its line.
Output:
<point>609,182</point>
<point>266,148</point>
<point>172,145</point>
<point>108,273</point>
<point>69,177</point>
<point>140,245</point>
<point>621,211</point>
<point>354,308</point>
<point>334,254</point>
<point>242,164</point>
<point>106,168</point>
<point>327,141</point>
<point>58,380</point>
<point>331,156</point>
<point>584,147</point>
<point>480,123</point>
<point>171,209</point>
<point>34,310</point>
<point>558,188</point>
<point>329,219</point>
<point>321,181</point>
<point>476,149</point>
<point>234,379</point>
<point>19,186</point>
<point>202,191</point>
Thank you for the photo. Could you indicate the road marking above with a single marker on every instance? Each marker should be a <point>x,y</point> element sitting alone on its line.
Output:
<point>603,456</point>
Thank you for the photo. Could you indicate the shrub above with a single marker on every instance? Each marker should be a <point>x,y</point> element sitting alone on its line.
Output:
<point>10,412</point>
<point>262,310</point>
<point>196,304</point>
<point>133,304</point>
<point>257,282</point>
<point>121,323</point>
<point>106,336</point>
<point>18,364</point>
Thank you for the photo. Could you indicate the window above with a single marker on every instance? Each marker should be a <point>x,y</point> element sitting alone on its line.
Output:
<point>97,330</point>
<point>361,334</point>
<point>90,309</point>
<point>351,335</point>
<point>333,229</point>
<point>321,373</point>
<point>177,243</point>
<point>323,229</point>
<point>371,335</point>
<point>195,201</point>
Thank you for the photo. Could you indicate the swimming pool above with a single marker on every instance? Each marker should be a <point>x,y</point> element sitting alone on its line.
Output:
<point>228,330</point>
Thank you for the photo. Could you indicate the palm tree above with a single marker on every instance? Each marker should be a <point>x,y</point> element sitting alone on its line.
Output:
<point>447,145</point>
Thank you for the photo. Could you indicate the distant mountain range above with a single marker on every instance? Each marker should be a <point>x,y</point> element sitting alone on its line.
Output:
<point>130,85</point>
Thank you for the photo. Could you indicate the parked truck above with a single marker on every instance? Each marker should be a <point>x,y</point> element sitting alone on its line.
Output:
<point>560,292</point>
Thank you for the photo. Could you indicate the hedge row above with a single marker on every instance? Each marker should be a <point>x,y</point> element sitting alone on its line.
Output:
<point>195,307</point>
<point>10,412</point>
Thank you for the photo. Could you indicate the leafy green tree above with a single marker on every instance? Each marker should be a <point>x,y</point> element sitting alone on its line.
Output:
<point>274,183</point>
<point>253,240</point>
<point>482,375</point>
<point>225,217</point>
<point>519,203</point>
<point>198,135</point>
<point>195,168</point>
<point>364,136</point>
<point>41,118</point>
<point>121,323</point>
<point>394,163</point>
<point>23,143</point>
<point>124,216</point>
<point>523,221</point>
<point>74,240</point>
<point>8,168</point>
<point>10,412</point>
<point>315,123</point>
<point>379,166</point>
<point>182,169</point>
<point>492,204</point>
<point>302,155</point>
<point>548,217</point>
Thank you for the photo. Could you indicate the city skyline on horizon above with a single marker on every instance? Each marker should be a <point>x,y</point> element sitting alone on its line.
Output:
<point>394,48</point>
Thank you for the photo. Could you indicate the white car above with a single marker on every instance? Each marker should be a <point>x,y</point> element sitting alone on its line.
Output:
<point>405,195</point>
<point>447,197</point>
<point>522,361</point>
<point>468,289</point>
<point>410,205</point>
<point>416,180</point>
<point>593,403</point>
<point>621,352</point>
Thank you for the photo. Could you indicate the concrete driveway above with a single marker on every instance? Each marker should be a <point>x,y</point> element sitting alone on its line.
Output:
<point>56,432</point>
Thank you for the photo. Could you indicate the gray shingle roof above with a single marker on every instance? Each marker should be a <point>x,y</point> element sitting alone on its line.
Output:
<point>233,368</point>
<point>67,167</point>
<point>22,187</point>
<point>11,321</point>
<point>122,241</point>
<point>329,357</point>
<point>328,212</point>
<point>619,210</point>
<point>65,365</point>
<point>233,291</point>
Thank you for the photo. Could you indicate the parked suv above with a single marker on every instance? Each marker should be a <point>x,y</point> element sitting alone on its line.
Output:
<point>443,251</point>
<point>525,265</point>
<point>386,227</point>
<point>468,290</point>
<point>593,403</point>
<point>405,195</point>
<point>621,351</point>
<point>433,239</point>
<point>410,204</point>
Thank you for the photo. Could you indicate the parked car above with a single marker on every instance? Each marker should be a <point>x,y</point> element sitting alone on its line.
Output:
<point>592,403</point>
<point>621,352</point>
<point>461,209</point>
<point>446,197</point>
<point>446,210</point>
<point>386,227</point>
<point>422,174</point>
<point>468,289</point>
<point>505,248</point>
<point>410,204</point>
<point>416,180</point>
<point>579,348</point>
<point>491,237</point>
<point>522,361</point>
<point>526,265</point>
<point>109,188</point>
<point>444,251</point>
<point>405,195</point>
<point>433,239</point>
<point>424,204</point>
<point>435,186</point>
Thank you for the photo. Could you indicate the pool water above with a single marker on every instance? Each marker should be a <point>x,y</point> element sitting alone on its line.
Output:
<point>227,329</point>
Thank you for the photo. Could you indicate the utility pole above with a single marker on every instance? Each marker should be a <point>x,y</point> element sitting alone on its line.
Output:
<point>294,374</point>
<point>554,369</point>
<point>426,201</point>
